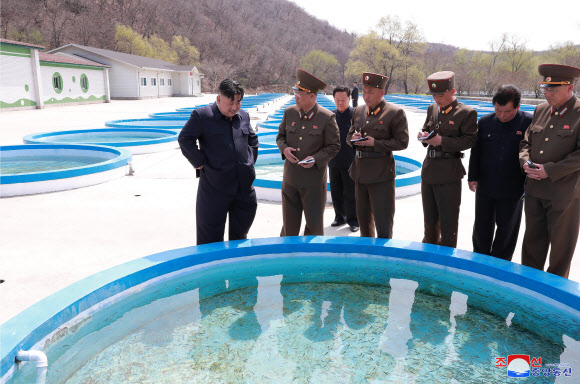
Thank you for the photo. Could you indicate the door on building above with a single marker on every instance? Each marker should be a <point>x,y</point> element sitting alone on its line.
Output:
<point>190,86</point>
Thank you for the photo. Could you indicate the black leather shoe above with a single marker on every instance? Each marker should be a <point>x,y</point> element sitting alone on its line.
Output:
<point>354,228</point>
<point>337,223</point>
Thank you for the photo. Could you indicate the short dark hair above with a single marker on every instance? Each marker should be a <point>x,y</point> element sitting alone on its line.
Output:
<point>355,82</point>
<point>506,93</point>
<point>229,88</point>
<point>341,88</point>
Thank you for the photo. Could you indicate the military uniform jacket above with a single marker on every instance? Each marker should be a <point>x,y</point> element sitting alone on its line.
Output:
<point>494,161</point>
<point>553,140</point>
<point>227,150</point>
<point>387,124</point>
<point>458,131</point>
<point>315,134</point>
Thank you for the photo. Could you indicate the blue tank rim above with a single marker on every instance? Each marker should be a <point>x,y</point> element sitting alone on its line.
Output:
<point>34,323</point>
<point>118,123</point>
<point>268,149</point>
<point>171,136</point>
<point>122,158</point>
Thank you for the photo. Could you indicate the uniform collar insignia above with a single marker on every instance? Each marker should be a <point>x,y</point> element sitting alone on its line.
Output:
<point>377,109</point>
<point>307,115</point>
<point>563,108</point>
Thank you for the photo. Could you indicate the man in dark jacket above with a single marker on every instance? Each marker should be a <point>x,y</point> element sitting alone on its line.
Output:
<point>341,185</point>
<point>224,161</point>
<point>355,95</point>
<point>496,177</point>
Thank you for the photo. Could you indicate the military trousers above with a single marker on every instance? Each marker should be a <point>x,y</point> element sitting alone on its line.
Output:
<point>502,215</point>
<point>441,212</point>
<point>343,196</point>
<point>550,224</point>
<point>212,209</point>
<point>311,200</point>
<point>375,207</point>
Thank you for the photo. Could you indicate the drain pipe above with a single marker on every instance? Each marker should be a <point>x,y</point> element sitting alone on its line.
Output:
<point>41,363</point>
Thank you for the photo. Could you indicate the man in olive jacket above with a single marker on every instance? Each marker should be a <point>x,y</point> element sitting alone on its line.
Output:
<point>378,128</point>
<point>552,202</point>
<point>308,138</point>
<point>454,129</point>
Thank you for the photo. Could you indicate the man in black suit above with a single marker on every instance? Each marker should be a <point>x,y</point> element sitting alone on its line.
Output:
<point>355,95</point>
<point>495,175</point>
<point>341,185</point>
<point>224,161</point>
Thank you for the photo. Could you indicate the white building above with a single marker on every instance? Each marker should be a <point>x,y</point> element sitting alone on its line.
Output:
<point>138,77</point>
<point>32,79</point>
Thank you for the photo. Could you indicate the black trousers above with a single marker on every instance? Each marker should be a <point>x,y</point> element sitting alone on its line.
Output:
<point>343,199</point>
<point>212,209</point>
<point>490,212</point>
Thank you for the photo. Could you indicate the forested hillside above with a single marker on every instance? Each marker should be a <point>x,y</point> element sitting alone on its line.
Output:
<point>260,42</point>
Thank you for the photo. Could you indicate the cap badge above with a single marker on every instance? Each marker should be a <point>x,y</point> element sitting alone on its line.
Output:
<point>298,82</point>
<point>548,78</point>
<point>366,77</point>
<point>433,85</point>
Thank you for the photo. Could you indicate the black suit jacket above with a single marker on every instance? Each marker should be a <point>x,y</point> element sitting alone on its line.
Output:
<point>227,150</point>
<point>494,161</point>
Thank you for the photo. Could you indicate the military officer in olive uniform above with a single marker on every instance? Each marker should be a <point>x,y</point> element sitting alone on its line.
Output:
<point>552,144</point>
<point>378,128</point>
<point>454,126</point>
<point>308,138</point>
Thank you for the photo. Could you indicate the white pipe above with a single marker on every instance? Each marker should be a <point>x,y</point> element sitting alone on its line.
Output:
<point>41,361</point>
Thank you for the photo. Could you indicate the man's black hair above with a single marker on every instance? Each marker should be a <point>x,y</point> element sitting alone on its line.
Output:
<point>229,88</point>
<point>340,88</point>
<point>507,93</point>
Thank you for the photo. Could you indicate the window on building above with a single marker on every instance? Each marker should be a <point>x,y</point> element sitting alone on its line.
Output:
<point>143,82</point>
<point>162,82</point>
<point>169,82</point>
<point>153,82</point>
<point>84,83</point>
<point>57,82</point>
<point>198,83</point>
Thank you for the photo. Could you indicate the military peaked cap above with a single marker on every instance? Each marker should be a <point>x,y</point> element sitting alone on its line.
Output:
<point>441,82</point>
<point>308,83</point>
<point>375,80</point>
<point>556,75</point>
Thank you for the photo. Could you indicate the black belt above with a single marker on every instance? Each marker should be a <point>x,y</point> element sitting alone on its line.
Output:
<point>362,154</point>
<point>444,155</point>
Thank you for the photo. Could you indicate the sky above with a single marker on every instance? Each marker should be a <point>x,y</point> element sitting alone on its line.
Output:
<point>470,26</point>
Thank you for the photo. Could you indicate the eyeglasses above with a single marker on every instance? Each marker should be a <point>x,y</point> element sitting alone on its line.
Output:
<point>300,94</point>
<point>550,91</point>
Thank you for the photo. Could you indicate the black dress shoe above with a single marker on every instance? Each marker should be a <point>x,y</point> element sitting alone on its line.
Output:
<point>337,223</point>
<point>354,228</point>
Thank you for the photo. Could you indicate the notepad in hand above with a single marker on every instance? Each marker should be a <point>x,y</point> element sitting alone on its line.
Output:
<point>431,135</point>
<point>361,139</point>
<point>307,161</point>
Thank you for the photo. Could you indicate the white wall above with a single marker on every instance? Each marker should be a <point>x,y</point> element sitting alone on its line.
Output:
<point>17,86</point>
<point>71,79</point>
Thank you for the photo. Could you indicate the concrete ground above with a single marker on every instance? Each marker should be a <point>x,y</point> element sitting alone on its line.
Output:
<point>49,241</point>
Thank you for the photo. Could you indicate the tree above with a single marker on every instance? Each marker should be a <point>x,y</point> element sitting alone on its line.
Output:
<point>371,53</point>
<point>320,64</point>
<point>187,54</point>
<point>162,50</point>
<point>129,41</point>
